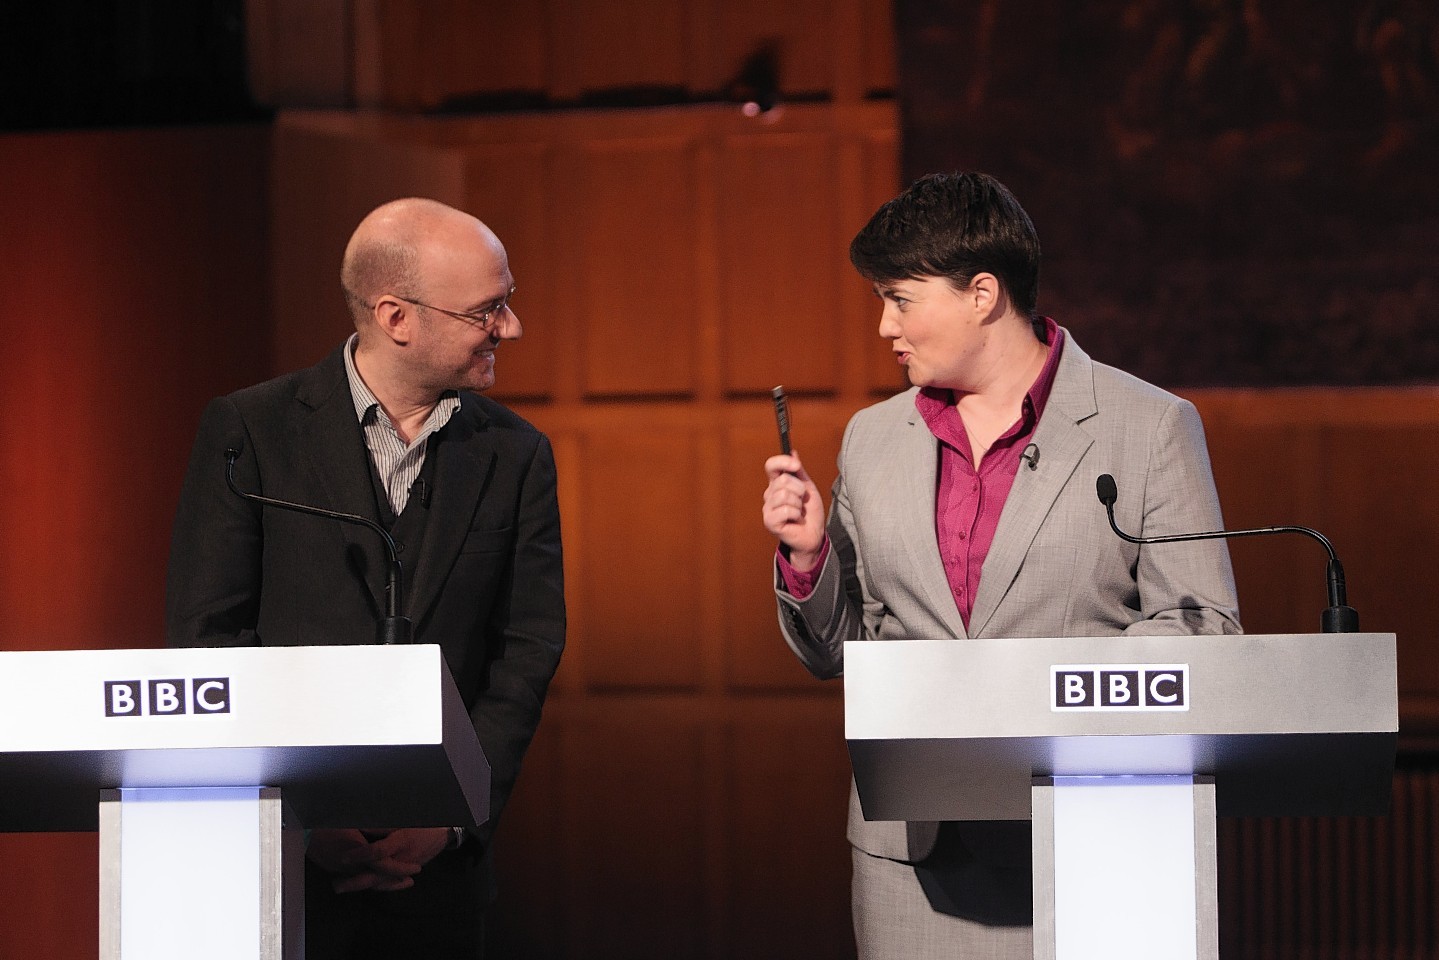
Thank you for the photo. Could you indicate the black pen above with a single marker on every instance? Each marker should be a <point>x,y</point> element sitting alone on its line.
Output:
<point>781,416</point>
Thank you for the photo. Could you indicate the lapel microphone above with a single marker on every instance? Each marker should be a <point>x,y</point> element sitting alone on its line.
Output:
<point>1338,618</point>
<point>394,626</point>
<point>1030,455</point>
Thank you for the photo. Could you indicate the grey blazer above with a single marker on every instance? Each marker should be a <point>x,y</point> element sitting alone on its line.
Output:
<point>1055,568</point>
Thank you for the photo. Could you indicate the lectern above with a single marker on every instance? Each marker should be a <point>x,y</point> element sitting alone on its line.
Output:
<point>203,767</point>
<point>1122,750</point>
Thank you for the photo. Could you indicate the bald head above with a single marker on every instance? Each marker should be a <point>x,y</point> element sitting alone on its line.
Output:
<point>396,246</point>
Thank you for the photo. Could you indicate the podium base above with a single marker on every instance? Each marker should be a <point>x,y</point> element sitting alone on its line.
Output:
<point>213,872</point>
<point>1124,868</point>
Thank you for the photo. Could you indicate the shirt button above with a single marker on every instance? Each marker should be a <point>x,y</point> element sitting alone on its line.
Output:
<point>962,536</point>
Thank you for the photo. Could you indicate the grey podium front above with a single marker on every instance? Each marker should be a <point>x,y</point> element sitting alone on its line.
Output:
<point>978,730</point>
<point>201,768</point>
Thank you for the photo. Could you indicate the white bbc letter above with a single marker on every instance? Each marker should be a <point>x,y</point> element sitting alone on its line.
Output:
<point>1155,696</point>
<point>1119,688</point>
<point>122,699</point>
<point>204,701</point>
<point>165,699</point>
<point>1073,688</point>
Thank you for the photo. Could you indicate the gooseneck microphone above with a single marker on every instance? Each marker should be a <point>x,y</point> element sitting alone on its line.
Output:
<point>394,626</point>
<point>1338,618</point>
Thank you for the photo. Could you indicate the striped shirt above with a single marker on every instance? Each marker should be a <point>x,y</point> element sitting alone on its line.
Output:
<point>397,464</point>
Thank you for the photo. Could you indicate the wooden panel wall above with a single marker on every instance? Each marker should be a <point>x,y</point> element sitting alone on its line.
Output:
<point>435,54</point>
<point>134,272</point>
<point>466,54</point>
<point>686,794</point>
<point>1358,466</point>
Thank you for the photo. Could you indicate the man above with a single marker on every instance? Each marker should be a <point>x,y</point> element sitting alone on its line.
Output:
<point>389,426</point>
<point>965,507</point>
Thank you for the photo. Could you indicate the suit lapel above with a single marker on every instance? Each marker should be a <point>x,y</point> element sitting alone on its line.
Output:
<point>465,460</point>
<point>911,472</point>
<point>1062,443</point>
<point>333,445</point>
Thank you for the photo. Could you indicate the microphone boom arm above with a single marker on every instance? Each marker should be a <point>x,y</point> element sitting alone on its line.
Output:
<point>394,628</point>
<point>1338,618</point>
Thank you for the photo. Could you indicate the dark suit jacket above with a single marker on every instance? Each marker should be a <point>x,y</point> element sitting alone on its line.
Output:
<point>486,585</point>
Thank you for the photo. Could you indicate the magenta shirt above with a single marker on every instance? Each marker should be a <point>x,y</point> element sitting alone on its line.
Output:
<point>968,502</point>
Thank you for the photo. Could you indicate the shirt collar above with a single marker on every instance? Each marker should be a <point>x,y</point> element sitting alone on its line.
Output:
<point>367,407</point>
<point>933,402</point>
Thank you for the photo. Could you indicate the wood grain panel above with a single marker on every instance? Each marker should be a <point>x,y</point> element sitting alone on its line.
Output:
<point>51,907</point>
<point>393,34</point>
<point>448,53</point>
<point>757,657</point>
<point>601,45</point>
<point>1266,475</point>
<point>298,53</point>
<point>635,814</point>
<point>1308,456</point>
<point>802,34</point>
<point>633,205</point>
<point>502,190</point>
<point>532,850</point>
<point>489,50</point>
<point>779,256</point>
<point>323,185</point>
<point>789,872</point>
<point>457,54</point>
<point>878,62</point>
<point>638,572</point>
<point>143,252</point>
<point>1386,526</point>
<point>882,182</point>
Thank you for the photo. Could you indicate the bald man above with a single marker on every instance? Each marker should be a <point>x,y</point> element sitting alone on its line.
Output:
<point>391,426</point>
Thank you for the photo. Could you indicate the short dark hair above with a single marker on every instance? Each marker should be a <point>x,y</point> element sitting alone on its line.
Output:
<point>953,225</point>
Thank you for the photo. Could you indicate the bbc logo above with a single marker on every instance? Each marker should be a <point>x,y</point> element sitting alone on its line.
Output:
<point>1120,687</point>
<point>167,698</point>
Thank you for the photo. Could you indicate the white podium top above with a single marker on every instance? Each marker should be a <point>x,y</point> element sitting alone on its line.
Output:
<point>354,735</point>
<point>1291,723</point>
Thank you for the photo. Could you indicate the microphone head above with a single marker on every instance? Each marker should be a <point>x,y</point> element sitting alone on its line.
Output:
<point>1105,487</point>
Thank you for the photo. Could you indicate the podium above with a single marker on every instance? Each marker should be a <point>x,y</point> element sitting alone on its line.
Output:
<point>203,767</point>
<point>1122,750</point>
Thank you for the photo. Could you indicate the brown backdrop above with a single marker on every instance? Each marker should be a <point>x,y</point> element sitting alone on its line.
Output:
<point>685,795</point>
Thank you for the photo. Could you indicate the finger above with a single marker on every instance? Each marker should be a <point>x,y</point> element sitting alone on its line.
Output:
<point>392,867</point>
<point>782,464</point>
<point>787,490</point>
<point>355,882</point>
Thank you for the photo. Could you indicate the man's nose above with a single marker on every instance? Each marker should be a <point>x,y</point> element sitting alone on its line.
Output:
<point>507,325</point>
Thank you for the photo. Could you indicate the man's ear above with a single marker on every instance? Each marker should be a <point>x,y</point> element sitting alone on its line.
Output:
<point>394,317</point>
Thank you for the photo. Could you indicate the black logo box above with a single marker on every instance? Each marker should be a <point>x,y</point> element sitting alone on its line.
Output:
<point>167,697</point>
<point>1134,688</point>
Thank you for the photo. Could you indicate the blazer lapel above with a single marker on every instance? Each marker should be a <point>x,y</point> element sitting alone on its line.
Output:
<point>465,460</point>
<point>911,472</point>
<point>1062,443</point>
<point>334,447</point>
